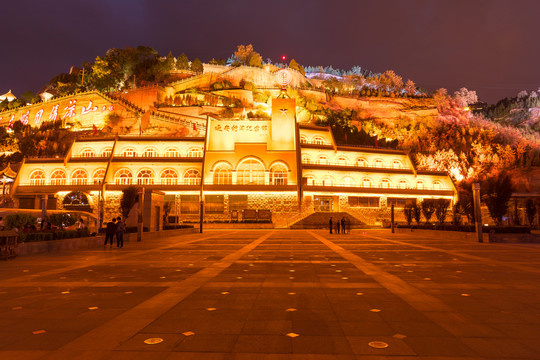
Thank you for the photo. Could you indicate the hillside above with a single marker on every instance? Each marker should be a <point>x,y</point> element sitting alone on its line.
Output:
<point>135,91</point>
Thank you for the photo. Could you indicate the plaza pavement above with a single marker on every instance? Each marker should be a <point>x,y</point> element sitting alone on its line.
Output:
<point>283,294</point>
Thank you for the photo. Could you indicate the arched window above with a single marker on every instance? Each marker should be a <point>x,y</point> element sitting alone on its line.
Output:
<point>328,181</point>
<point>278,174</point>
<point>250,172</point>
<point>420,185</point>
<point>306,159</point>
<point>129,152</point>
<point>403,184</point>
<point>58,177</point>
<point>347,181</point>
<point>169,177</point>
<point>437,185</point>
<point>379,163</point>
<point>145,177</point>
<point>310,180</point>
<point>361,162</point>
<point>396,164</point>
<point>195,152</point>
<point>342,161</point>
<point>366,182</point>
<point>318,140</point>
<point>223,175</point>
<point>98,176</point>
<point>75,200</point>
<point>385,183</point>
<point>192,177</point>
<point>303,139</point>
<point>123,177</point>
<point>150,152</point>
<point>37,177</point>
<point>172,152</point>
<point>88,152</point>
<point>79,177</point>
<point>106,152</point>
<point>322,160</point>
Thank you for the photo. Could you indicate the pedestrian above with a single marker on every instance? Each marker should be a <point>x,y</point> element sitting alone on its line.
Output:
<point>119,233</point>
<point>81,224</point>
<point>337,226</point>
<point>44,223</point>
<point>343,221</point>
<point>110,231</point>
<point>330,224</point>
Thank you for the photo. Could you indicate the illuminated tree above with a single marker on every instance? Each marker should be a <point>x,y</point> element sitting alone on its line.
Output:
<point>197,66</point>
<point>464,97</point>
<point>296,66</point>
<point>169,62</point>
<point>428,208</point>
<point>408,212</point>
<point>182,63</point>
<point>441,210</point>
<point>497,193</point>
<point>245,55</point>
<point>410,87</point>
<point>530,210</point>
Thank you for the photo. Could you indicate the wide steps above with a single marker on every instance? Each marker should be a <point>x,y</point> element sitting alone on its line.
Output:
<point>319,220</point>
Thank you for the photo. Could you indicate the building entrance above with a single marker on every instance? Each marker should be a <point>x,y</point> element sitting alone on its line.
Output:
<point>323,203</point>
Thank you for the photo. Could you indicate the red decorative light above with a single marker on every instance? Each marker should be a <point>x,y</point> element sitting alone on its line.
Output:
<point>283,57</point>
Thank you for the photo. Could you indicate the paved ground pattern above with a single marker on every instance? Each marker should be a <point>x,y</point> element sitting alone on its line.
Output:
<point>284,294</point>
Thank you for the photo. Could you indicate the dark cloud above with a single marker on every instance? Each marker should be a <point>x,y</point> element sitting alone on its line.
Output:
<point>486,45</point>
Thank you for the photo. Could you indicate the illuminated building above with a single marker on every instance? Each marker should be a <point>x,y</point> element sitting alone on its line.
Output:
<point>277,165</point>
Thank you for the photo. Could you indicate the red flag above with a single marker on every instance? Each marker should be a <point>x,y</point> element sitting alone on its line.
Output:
<point>194,127</point>
<point>94,128</point>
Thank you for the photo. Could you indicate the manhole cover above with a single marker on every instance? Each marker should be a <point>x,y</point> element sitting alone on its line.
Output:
<point>378,344</point>
<point>152,341</point>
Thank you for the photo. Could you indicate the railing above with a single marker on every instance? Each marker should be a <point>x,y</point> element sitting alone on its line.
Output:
<point>300,216</point>
<point>355,165</point>
<point>326,184</point>
<point>127,181</point>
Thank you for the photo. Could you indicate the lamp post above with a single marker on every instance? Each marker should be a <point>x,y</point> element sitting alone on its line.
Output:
<point>477,212</point>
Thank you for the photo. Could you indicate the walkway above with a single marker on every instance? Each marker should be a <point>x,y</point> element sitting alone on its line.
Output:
<point>281,294</point>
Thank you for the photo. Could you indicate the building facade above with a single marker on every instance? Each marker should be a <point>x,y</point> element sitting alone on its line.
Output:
<point>276,165</point>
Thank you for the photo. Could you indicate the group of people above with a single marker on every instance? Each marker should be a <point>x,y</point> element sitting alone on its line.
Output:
<point>339,226</point>
<point>115,227</point>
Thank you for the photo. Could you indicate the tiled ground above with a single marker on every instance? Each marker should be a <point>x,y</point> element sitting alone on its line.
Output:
<point>275,295</point>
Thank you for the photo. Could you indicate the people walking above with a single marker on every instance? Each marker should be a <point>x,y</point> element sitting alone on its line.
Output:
<point>119,233</point>
<point>343,221</point>
<point>330,224</point>
<point>110,231</point>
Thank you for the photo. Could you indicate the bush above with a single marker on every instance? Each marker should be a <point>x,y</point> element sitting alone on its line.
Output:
<point>176,226</point>
<point>38,236</point>
<point>62,220</point>
<point>19,221</point>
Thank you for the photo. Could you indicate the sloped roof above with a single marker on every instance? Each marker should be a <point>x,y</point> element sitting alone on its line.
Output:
<point>9,95</point>
<point>8,172</point>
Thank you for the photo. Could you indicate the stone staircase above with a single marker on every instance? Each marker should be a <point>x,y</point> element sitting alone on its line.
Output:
<point>319,220</point>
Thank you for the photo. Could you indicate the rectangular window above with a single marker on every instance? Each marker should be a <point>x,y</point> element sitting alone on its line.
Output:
<point>214,204</point>
<point>363,201</point>
<point>189,204</point>
<point>400,202</point>
<point>238,202</point>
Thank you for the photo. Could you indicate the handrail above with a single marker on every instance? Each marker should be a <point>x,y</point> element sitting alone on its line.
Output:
<point>300,216</point>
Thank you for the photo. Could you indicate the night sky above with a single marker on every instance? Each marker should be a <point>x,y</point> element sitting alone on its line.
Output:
<point>490,46</point>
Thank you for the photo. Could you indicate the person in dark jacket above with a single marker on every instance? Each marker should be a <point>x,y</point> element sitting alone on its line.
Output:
<point>343,231</point>
<point>330,224</point>
<point>119,233</point>
<point>110,231</point>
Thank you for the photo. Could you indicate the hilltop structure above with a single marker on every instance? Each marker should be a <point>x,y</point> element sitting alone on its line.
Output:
<point>239,169</point>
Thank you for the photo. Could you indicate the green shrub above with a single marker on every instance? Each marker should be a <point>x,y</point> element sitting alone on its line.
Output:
<point>38,236</point>
<point>19,221</point>
<point>62,220</point>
